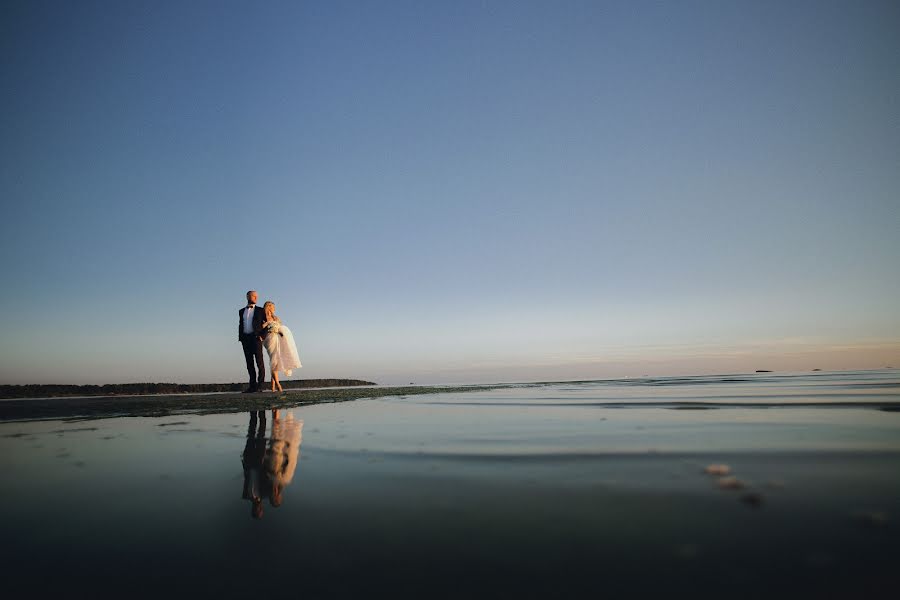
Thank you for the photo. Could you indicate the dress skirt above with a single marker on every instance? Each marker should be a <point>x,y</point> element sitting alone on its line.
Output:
<point>283,355</point>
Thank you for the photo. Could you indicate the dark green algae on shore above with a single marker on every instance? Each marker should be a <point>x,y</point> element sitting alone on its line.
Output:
<point>38,390</point>
<point>100,407</point>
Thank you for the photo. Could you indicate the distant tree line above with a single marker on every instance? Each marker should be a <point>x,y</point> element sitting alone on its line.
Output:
<point>124,389</point>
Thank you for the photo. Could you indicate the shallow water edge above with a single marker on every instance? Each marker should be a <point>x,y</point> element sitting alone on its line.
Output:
<point>182,404</point>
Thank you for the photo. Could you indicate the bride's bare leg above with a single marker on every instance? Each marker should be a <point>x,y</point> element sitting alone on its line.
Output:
<point>275,381</point>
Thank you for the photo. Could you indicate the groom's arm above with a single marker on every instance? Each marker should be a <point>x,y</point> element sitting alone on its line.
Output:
<point>240,323</point>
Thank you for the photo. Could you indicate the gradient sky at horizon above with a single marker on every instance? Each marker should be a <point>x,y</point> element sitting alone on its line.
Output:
<point>450,192</point>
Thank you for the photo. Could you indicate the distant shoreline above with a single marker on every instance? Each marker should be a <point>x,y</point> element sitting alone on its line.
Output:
<point>143,389</point>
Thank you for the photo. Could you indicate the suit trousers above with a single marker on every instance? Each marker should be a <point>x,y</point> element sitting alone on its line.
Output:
<point>253,351</point>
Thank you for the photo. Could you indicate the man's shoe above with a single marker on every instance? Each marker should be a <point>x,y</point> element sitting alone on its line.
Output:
<point>249,390</point>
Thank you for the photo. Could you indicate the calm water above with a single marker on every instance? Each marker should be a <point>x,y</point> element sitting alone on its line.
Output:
<point>559,489</point>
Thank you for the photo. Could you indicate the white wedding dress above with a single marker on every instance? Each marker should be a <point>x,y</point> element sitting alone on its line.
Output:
<point>284,449</point>
<point>283,355</point>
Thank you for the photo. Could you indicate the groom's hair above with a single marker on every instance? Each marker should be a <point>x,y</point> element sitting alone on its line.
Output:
<point>251,292</point>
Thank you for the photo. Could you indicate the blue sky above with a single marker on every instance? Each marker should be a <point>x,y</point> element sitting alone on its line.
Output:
<point>450,192</point>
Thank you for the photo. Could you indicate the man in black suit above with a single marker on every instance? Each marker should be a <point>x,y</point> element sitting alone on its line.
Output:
<point>253,461</point>
<point>250,320</point>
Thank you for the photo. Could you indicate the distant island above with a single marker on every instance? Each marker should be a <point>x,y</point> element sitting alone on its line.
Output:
<point>131,389</point>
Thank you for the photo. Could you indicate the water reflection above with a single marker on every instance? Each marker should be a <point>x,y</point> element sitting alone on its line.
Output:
<point>270,462</point>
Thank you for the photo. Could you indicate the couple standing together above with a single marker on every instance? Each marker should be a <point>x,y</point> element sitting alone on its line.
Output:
<point>258,327</point>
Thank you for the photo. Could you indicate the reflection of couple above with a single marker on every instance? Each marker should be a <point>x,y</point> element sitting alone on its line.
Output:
<point>269,467</point>
<point>260,327</point>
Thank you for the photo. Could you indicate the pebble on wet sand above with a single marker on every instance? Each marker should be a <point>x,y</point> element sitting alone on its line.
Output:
<point>717,469</point>
<point>753,499</point>
<point>730,483</point>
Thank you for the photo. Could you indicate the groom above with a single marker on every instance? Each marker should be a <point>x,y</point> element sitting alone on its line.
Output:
<point>250,320</point>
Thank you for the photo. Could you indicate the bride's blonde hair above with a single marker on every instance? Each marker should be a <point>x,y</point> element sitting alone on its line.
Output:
<point>269,308</point>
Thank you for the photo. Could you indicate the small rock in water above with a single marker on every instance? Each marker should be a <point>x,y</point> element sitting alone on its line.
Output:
<point>753,499</point>
<point>717,470</point>
<point>730,483</point>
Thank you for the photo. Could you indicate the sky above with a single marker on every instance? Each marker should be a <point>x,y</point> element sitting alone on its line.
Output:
<point>449,192</point>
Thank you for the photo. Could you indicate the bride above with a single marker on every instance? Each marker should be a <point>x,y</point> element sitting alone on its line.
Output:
<point>280,345</point>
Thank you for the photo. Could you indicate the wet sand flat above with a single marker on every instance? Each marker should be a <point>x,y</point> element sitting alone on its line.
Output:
<point>485,493</point>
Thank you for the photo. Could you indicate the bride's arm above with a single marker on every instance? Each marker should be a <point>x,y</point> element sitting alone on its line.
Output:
<point>275,319</point>
<point>265,324</point>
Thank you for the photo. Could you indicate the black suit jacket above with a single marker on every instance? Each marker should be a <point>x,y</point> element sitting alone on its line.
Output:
<point>259,315</point>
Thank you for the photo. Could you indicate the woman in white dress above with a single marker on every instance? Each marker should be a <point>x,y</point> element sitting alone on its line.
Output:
<point>279,343</point>
<point>282,454</point>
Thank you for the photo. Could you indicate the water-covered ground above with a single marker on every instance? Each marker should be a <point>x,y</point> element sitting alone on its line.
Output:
<point>552,490</point>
